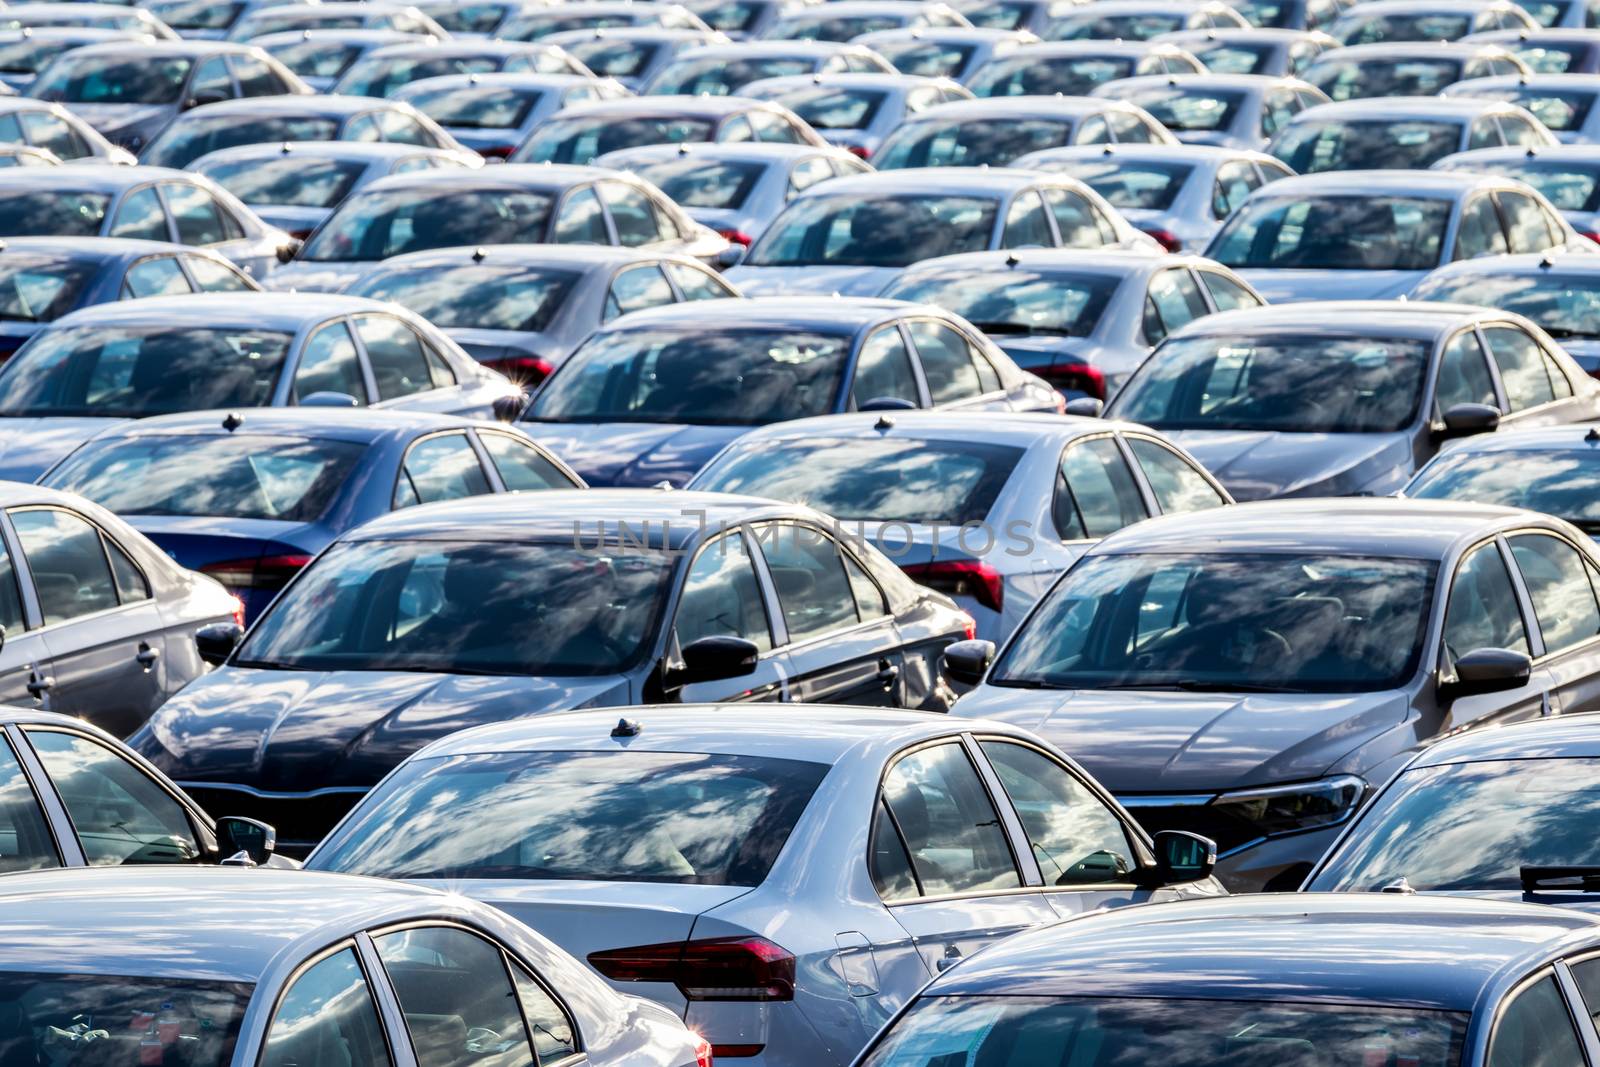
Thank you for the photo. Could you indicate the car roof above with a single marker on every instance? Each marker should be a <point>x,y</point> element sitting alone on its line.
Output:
<point>95,248</point>
<point>1250,82</point>
<point>1405,7</point>
<point>447,49</point>
<point>1060,49</point>
<point>78,33</point>
<point>1275,34</point>
<point>1440,184</point>
<point>160,49</point>
<point>1587,153</point>
<point>1108,262</point>
<point>585,257</point>
<point>1563,737</point>
<point>1409,50</point>
<point>1003,107</point>
<point>826,314</point>
<point>1420,319</point>
<point>631,106</point>
<point>1163,153</point>
<point>362,425</point>
<point>1372,948</point>
<point>741,151</point>
<point>548,177</point>
<point>1017,428</point>
<point>1405,108</point>
<point>759,48</point>
<point>88,177</point>
<point>359,151</point>
<point>1552,264</point>
<point>933,181</point>
<point>322,104</point>
<point>366,35</point>
<point>937,34</point>
<point>850,80</point>
<point>285,312</point>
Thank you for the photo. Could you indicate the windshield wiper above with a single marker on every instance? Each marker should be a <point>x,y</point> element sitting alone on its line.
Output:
<point>1026,683</point>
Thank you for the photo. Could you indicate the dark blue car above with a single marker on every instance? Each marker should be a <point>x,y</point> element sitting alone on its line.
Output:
<point>250,497</point>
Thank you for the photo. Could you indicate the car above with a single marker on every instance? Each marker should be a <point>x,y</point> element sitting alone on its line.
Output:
<point>1456,819</point>
<point>41,124</point>
<point>856,111</point>
<point>343,15</point>
<point>1081,320</point>
<point>297,184</point>
<point>954,52</point>
<point>723,69</point>
<point>510,204</point>
<point>1138,20</point>
<point>1279,660</point>
<point>536,21</point>
<point>1550,51</point>
<point>1375,234</point>
<point>633,55</point>
<point>171,354</point>
<point>130,90</point>
<point>581,133</point>
<point>1555,291</point>
<point>995,513</point>
<point>275,119</point>
<point>1076,68</point>
<point>1426,20</point>
<point>203,485</point>
<point>330,963</point>
<point>1564,14</point>
<point>1179,196</point>
<point>522,309</point>
<point>1546,469</point>
<point>445,594</point>
<point>468,19</point>
<point>383,70</point>
<point>113,16</point>
<point>493,113</point>
<point>854,235</point>
<point>1401,133</point>
<point>1311,409</point>
<point>1291,980</point>
<point>650,397</point>
<point>994,131</point>
<point>743,20</point>
<point>1565,175</point>
<point>202,20</point>
<point>24,52</point>
<point>1281,53</point>
<point>1228,110</point>
<point>44,278</point>
<point>1314,15</point>
<point>320,57</point>
<point>1422,68</point>
<point>147,203</point>
<point>845,20</point>
<point>779,831</point>
<point>1564,103</point>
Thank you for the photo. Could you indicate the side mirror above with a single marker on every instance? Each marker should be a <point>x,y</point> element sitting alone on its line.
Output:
<point>731,256</point>
<point>1487,670</point>
<point>968,661</point>
<point>1464,420</point>
<point>1087,406</point>
<point>711,659</point>
<point>216,641</point>
<point>1182,857</point>
<point>327,398</point>
<point>287,250</point>
<point>507,408</point>
<point>245,842</point>
<point>887,403</point>
<point>202,99</point>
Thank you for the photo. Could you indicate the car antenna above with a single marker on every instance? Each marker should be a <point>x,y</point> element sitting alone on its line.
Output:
<point>232,421</point>
<point>1106,151</point>
<point>1533,151</point>
<point>884,423</point>
<point>285,148</point>
<point>626,728</point>
<point>1012,260</point>
<point>1547,261</point>
<point>479,255</point>
<point>1593,436</point>
<point>683,148</point>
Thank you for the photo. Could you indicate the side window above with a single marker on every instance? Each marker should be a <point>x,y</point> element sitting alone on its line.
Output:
<point>328,364</point>
<point>119,814</point>
<point>395,354</point>
<point>440,468</point>
<point>141,216</point>
<point>635,289</point>
<point>548,1022</point>
<point>45,130</point>
<point>1479,233</point>
<point>883,369</point>
<point>581,221</point>
<point>213,277</point>
<point>523,468</point>
<point>889,862</point>
<point>1131,129</point>
<point>1482,612</point>
<point>130,580</point>
<point>196,212</point>
<point>211,82</point>
<point>1226,293</point>
<point>737,128</point>
<point>363,127</point>
<point>10,603</point>
<point>1026,224</point>
<point>327,1016</point>
<point>71,573</point>
<point>946,362</point>
<point>807,570</point>
<point>948,823</point>
<point>400,128</point>
<point>1535,1030</point>
<point>870,603</point>
<point>155,277</point>
<point>1485,133</point>
<point>1522,367</point>
<point>1095,492</point>
<point>25,840</point>
<point>1092,130</point>
<point>1076,838</point>
<point>1235,181</point>
<point>721,597</point>
<point>255,77</point>
<point>631,214</point>
<point>455,991</point>
<point>1074,218</point>
<point>808,172</point>
<point>1529,232</point>
<point>1177,486</point>
<point>698,284</point>
<point>774,128</point>
<point>10,129</point>
<point>1277,110</point>
<point>1519,131</point>
<point>1558,585</point>
<point>1559,383</point>
<point>1587,975</point>
<point>1463,374</point>
<point>1177,299</point>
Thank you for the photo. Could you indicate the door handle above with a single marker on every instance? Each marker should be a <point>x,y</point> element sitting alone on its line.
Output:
<point>951,957</point>
<point>39,684</point>
<point>146,655</point>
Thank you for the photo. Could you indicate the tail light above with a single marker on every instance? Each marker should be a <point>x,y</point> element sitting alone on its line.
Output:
<point>859,151</point>
<point>1075,377</point>
<point>266,572</point>
<point>1595,237</point>
<point>238,612</point>
<point>1061,403</point>
<point>1167,239</point>
<point>529,370</point>
<point>961,577</point>
<point>719,968</point>
<point>702,1053</point>
<point>969,629</point>
<point>498,151</point>
<point>738,237</point>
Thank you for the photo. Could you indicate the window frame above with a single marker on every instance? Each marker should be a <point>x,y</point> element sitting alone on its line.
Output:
<point>43,790</point>
<point>29,592</point>
<point>782,640</point>
<point>1565,988</point>
<point>776,627</point>
<point>384,1002</point>
<point>1151,500</point>
<point>1525,597</point>
<point>1441,671</point>
<point>1151,506</point>
<point>485,466</point>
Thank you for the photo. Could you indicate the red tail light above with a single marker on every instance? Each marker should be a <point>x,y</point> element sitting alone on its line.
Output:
<point>859,151</point>
<point>1167,239</point>
<point>238,613</point>
<point>498,151</point>
<point>702,1053</point>
<point>1595,237</point>
<point>961,577</point>
<point>529,370</point>
<point>738,237</point>
<point>267,572</point>
<point>970,629</point>
<point>1075,377</point>
<point>719,968</point>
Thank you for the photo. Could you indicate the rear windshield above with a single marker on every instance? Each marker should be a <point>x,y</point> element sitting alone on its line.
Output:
<point>481,297</point>
<point>114,79</point>
<point>39,288</point>
<point>476,107</point>
<point>1351,79</point>
<point>53,213</point>
<point>1188,107</point>
<point>287,180</point>
<point>190,138</point>
<point>316,58</point>
<point>969,142</point>
<point>580,140</point>
<point>1311,147</point>
<point>1562,110</point>
<point>707,183</point>
<point>682,817</point>
<point>1142,184</point>
<point>1071,76</point>
<point>828,107</point>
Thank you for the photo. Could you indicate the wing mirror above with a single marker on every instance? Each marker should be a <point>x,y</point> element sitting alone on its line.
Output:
<point>968,661</point>
<point>1087,407</point>
<point>202,99</point>
<point>1181,857</point>
<point>1464,420</point>
<point>216,641</point>
<point>1487,670</point>
<point>731,256</point>
<point>288,250</point>
<point>712,659</point>
<point>245,842</point>
<point>508,407</point>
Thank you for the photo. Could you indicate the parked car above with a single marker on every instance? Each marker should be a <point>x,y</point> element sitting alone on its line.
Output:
<point>1420,68</point>
<point>533,22</point>
<point>845,20</point>
<point>203,20</point>
<point>1401,133</point>
<point>468,19</point>
<point>1138,20</point>
<point>1556,292</point>
<point>1550,51</point>
<point>723,69</point>
<point>1230,110</point>
<point>343,15</point>
<point>320,57</point>
<point>1549,469</point>
<point>493,113</point>
<point>1426,20</point>
<point>856,111</point>
<point>1565,175</point>
<point>1292,14</point>
<point>1564,103</point>
<point>1028,16</point>
<point>995,131</point>
<point>581,133</point>
<point>51,127</point>
<point>25,52</point>
<point>1076,68</point>
<point>900,827</point>
<point>1277,661</point>
<point>417,625</point>
<point>742,20</point>
<point>1282,53</point>
<point>383,70</point>
<point>633,55</point>
<point>954,52</point>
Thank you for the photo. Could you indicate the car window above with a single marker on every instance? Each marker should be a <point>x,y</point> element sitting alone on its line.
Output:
<point>398,128</point>
<point>1479,233</point>
<point>211,82</point>
<point>327,1016</point>
<point>130,580</point>
<point>1558,585</point>
<point>455,991</point>
<point>443,467</point>
<point>1177,302</point>
<point>394,351</point>
<point>774,128</point>
<point>140,216</point>
<point>1235,181</point>
<point>697,284</point>
<point>1587,975</point>
<point>1095,492</point>
<point>45,130</point>
<point>889,863</point>
<point>1092,130</point>
<point>199,219</point>
<point>1519,131</point>
<point>870,602</point>
<point>553,1035</point>
<point>1463,374</point>
<point>523,468</point>
<point>631,214</point>
<point>1525,223</point>
<point>736,129</point>
<point>1522,367</point>
<point>635,289</point>
<point>581,221</point>
<point>1074,218</point>
<point>807,570</point>
<point>1483,611</point>
<point>1177,486</point>
<point>255,77</point>
<point>883,369</point>
<point>120,815</point>
<point>363,127</point>
<point>1131,129</point>
<point>213,277</point>
<point>1559,383</point>
<point>1026,224</point>
<point>809,172</point>
<point>329,364</point>
<point>71,574</point>
<point>721,597</point>
<point>947,362</point>
<point>1226,293</point>
<point>948,823</point>
<point>25,840</point>
<point>1075,837</point>
<point>1278,108</point>
<point>1535,1030</point>
<point>155,277</point>
<point>1485,134</point>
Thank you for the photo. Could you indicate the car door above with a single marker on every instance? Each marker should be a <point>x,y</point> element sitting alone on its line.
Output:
<point>1535,388</point>
<point>1485,610</point>
<point>26,839</point>
<point>1560,580</point>
<point>957,375</point>
<point>722,597</point>
<point>327,1015</point>
<point>24,658</point>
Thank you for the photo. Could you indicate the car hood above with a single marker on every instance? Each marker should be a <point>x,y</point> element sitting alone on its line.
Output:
<point>1256,465</point>
<point>846,281</point>
<point>632,453</point>
<point>314,277</point>
<point>29,447</point>
<point>1292,286</point>
<point>1159,741</point>
<point>290,730</point>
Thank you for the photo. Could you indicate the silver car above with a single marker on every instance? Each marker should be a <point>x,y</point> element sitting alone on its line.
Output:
<point>1566,175</point>
<point>1400,133</point>
<point>1426,20</point>
<point>493,113</point>
<point>822,864</point>
<point>583,133</point>
<point>1558,51</point>
<point>722,69</point>
<point>1559,292</point>
<point>953,52</point>
<point>342,15</point>
<point>1280,52</point>
<point>1565,103</point>
<point>1138,20</point>
<point>535,21</point>
<point>320,57</point>
<point>24,53</point>
<point>1228,110</point>
<point>856,111</point>
<point>994,131</point>
<point>633,55</point>
<point>383,70</point>
<point>1075,68</point>
<point>845,20</point>
<point>1417,68</point>
<point>40,124</point>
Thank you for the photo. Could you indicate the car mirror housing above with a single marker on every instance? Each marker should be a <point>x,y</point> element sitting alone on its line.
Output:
<point>327,398</point>
<point>731,256</point>
<point>1487,670</point>
<point>216,641</point>
<point>1464,420</point>
<point>968,661</point>
<point>508,407</point>
<point>288,250</point>
<point>712,659</point>
<point>245,842</point>
<point>1181,857</point>
<point>1088,407</point>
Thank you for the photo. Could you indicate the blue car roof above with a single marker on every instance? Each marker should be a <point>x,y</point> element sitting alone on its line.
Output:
<point>161,49</point>
<point>285,312</point>
<point>709,107</point>
<point>735,151</point>
<point>361,425</point>
<point>821,314</point>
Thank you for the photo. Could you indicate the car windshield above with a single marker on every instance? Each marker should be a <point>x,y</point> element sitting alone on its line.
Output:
<point>477,107</point>
<point>722,75</point>
<point>1423,26</point>
<point>237,476</point>
<point>52,213</point>
<point>1001,16</point>
<point>197,14</point>
<point>1560,482</point>
<point>29,54</point>
<point>1570,185</point>
<point>1264,13</point>
<point>1134,27</point>
<point>1562,110</point>
<point>112,79</point>
<point>985,1031</point>
<point>480,296</point>
<point>1029,76</point>
<point>1311,147</point>
<point>466,607</point>
<point>831,27</point>
<point>1016,301</point>
<point>730,377</point>
<point>1187,107</point>
<point>454,16</point>
<point>889,231</point>
<point>1334,233</point>
<point>378,225</point>
<point>131,372</point>
<point>1549,57</point>
<point>691,181</point>
<point>1565,306</point>
<point>581,140</point>
<point>1232,57</point>
<point>381,75</point>
<point>192,137</point>
<point>686,818</point>
<point>832,107</point>
<point>1352,79</point>
<point>926,59</point>
<point>1229,622</point>
<point>38,287</point>
<point>316,59</point>
<point>1289,384</point>
<point>287,180</point>
<point>615,59</point>
<point>254,26</point>
<point>1144,184</point>
<point>969,142</point>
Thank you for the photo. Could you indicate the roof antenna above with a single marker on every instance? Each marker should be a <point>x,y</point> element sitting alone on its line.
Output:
<point>626,728</point>
<point>479,255</point>
<point>285,148</point>
<point>1012,260</point>
<point>886,423</point>
<point>232,421</point>
<point>1593,436</point>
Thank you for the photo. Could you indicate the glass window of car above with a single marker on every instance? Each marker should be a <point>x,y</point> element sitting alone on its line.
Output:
<point>581,220</point>
<point>1479,232</point>
<point>631,214</point>
<point>1095,492</point>
<point>808,172</point>
<point>71,573</point>
<point>211,82</point>
<point>1485,134</point>
<point>697,283</point>
<point>1075,837</point>
<point>808,573</point>
<point>1517,130</point>
<point>26,843</point>
<point>774,128</point>
<point>736,129</point>
<point>1093,130</point>
<point>554,1038</point>
<point>883,369</point>
<point>948,822</point>
<point>400,128</point>
<point>329,364</point>
<point>635,289</point>
<point>443,467</point>
<point>721,597</point>
<point>396,356</point>
<point>1075,219</point>
<point>1177,485</point>
<point>881,231</point>
<point>1522,367</point>
<point>1235,181</point>
<point>948,364</point>
<point>1558,585</point>
<point>460,1006</point>
<point>1536,1028</point>
<point>213,277</point>
<point>1587,974</point>
<point>1128,128</point>
<point>141,216</point>
<point>256,78</point>
<point>1334,233</point>
<point>1175,301</point>
<point>1463,374</point>
<point>1482,611</point>
<point>327,1013</point>
<point>131,584</point>
<point>1529,230</point>
<point>889,862</point>
<point>1227,294</point>
<point>1026,225</point>
<point>362,127</point>
<point>158,276</point>
<point>870,601</point>
<point>45,130</point>
<point>120,815</point>
<point>200,219</point>
<point>10,600</point>
<point>522,467</point>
